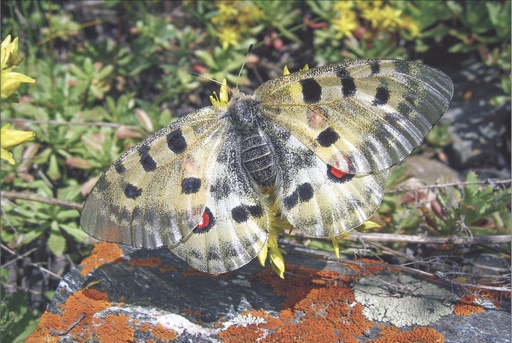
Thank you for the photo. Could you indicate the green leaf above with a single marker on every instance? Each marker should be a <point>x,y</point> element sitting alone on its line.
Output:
<point>78,234</point>
<point>68,214</point>
<point>53,169</point>
<point>56,241</point>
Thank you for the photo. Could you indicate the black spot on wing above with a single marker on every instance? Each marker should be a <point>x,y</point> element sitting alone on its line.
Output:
<point>119,167</point>
<point>131,191</point>
<point>240,214</point>
<point>305,191</point>
<point>311,91</point>
<point>102,184</point>
<point>348,87</point>
<point>302,193</point>
<point>327,137</point>
<point>375,67</point>
<point>291,201</point>
<point>381,96</point>
<point>147,162</point>
<point>255,210</point>
<point>190,185</point>
<point>176,142</point>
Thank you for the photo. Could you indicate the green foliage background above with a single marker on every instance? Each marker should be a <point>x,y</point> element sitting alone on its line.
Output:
<point>109,73</point>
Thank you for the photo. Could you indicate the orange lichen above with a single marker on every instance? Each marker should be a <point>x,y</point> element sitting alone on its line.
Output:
<point>102,253</point>
<point>417,335</point>
<point>159,332</point>
<point>164,269</point>
<point>318,307</point>
<point>466,306</point>
<point>114,328</point>
<point>367,265</point>
<point>194,272</point>
<point>163,334</point>
<point>86,302</point>
<point>145,327</point>
<point>147,262</point>
<point>42,333</point>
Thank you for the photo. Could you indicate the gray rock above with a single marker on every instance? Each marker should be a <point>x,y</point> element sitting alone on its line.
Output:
<point>480,131</point>
<point>198,307</point>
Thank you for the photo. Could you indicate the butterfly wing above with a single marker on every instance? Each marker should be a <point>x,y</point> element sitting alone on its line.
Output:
<point>237,222</point>
<point>156,192</point>
<point>182,187</point>
<point>359,116</point>
<point>314,197</point>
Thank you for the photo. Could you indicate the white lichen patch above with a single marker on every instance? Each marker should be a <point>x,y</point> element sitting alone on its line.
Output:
<point>244,320</point>
<point>402,300</point>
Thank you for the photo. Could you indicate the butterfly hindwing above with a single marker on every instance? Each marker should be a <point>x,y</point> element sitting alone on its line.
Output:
<point>236,222</point>
<point>317,199</point>
<point>359,116</point>
<point>156,192</point>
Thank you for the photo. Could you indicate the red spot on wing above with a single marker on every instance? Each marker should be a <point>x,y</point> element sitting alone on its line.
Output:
<point>205,220</point>
<point>337,173</point>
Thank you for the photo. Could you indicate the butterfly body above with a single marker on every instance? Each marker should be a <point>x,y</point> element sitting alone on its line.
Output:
<point>321,140</point>
<point>256,151</point>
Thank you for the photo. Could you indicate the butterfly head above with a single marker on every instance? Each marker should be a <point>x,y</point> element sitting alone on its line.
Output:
<point>243,111</point>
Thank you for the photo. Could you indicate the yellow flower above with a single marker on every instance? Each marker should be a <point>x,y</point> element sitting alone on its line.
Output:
<point>391,17</point>
<point>373,14</point>
<point>228,36</point>
<point>409,24</point>
<point>345,24</point>
<point>226,13</point>
<point>9,59</point>
<point>227,10</point>
<point>249,14</point>
<point>11,138</point>
<point>343,5</point>
<point>223,98</point>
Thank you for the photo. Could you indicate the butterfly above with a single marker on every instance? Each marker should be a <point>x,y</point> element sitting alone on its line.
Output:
<point>321,141</point>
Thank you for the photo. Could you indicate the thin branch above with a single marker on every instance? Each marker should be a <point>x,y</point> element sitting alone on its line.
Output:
<point>19,257</point>
<point>24,289</point>
<point>54,332</point>
<point>35,197</point>
<point>385,237</point>
<point>30,263</point>
<point>68,123</point>
<point>452,184</point>
<point>505,288</point>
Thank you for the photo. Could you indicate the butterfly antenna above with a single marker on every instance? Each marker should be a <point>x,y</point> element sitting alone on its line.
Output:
<point>193,73</point>
<point>249,51</point>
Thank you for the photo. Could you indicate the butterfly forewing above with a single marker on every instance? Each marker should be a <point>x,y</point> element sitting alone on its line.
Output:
<point>361,116</point>
<point>156,192</point>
